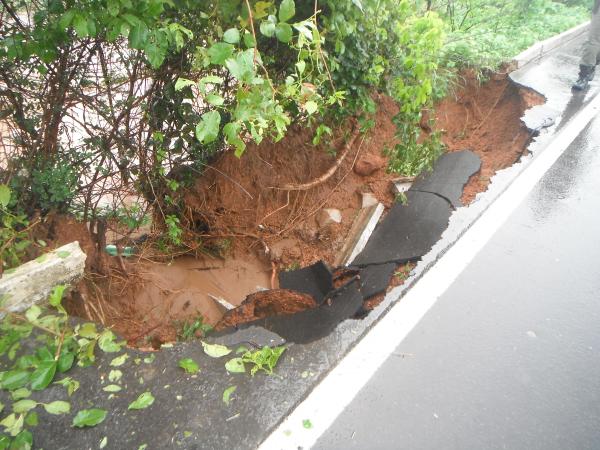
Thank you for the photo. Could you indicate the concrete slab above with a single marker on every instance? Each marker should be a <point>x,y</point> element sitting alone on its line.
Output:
<point>408,231</point>
<point>450,174</point>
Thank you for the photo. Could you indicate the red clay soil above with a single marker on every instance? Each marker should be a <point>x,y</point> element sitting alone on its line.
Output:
<point>241,199</point>
<point>486,118</point>
<point>265,229</point>
<point>266,304</point>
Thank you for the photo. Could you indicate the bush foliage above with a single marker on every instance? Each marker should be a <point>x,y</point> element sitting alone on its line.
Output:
<point>111,98</point>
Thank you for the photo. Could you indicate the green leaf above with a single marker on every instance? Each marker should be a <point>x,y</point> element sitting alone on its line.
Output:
<point>207,129</point>
<point>88,331</point>
<point>13,424</point>
<point>249,41</point>
<point>143,401</point>
<point>66,19</point>
<point>232,36</point>
<point>138,36</point>
<point>43,375</point>
<point>215,100</point>
<point>155,53</point>
<point>311,107</point>
<point>33,313</point>
<point>63,254</point>
<point>103,442</point>
<point>220,52</point>
<point>113,7</point>
<point>65,362</point>
<point>189,365</point>
<point>119,360</point>
<point>15,379</point>
<point>227,394</point>
<point>56,295</point>
<point>287,10</point>
<point>22,406</point>
<point>215,350</point>
<point>23,441</point>
<point>241,66</point>
<point>89,417</point>
<point>235,365</point>
<point>107,343</point>
<point>150,359</point>
<point>301,66</point>
<point>58,407</point>
<point>306,423</point>
<point>112,388</point>
<point>4,442</point>
<point>267,27</point>
<point>114,376</point>
<point>4,195</point>
<point>182,83</point>
<point>71,384</point>
<point>80,25</point>
<point>20,394</point>
<point>284,32</point>
<point>31,419</point>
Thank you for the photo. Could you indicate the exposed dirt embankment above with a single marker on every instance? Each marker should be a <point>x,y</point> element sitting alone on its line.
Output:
<point>244,198</point>
<point>486,118</point>
<point>258,229</point>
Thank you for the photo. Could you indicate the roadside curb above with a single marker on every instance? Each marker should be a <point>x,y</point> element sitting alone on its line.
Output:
<point>542,48</point>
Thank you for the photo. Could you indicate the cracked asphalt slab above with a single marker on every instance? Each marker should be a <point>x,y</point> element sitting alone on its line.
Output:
<point>190,413</point>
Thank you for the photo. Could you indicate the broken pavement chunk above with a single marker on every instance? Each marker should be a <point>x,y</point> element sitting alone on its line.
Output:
<point>450,174</point>
<point>408,231</point>
<point>375,279</point>
<point>314,324</point>
<point>315,280</point>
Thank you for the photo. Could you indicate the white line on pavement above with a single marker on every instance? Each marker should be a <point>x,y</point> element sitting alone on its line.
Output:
<point>335,392</point>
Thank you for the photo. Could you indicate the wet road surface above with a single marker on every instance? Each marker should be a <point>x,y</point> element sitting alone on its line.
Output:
<point>509,356</point>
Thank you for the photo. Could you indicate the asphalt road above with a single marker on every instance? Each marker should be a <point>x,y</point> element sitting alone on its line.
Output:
<point>509,356</point>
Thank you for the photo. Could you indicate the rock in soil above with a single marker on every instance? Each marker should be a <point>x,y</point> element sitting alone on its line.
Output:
<point>328,216</point>
<point>368,199</point>
<point>369,164</point>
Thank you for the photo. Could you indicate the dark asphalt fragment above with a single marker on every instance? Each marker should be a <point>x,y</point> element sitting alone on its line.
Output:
<point>315,280</point>
<point>408,231</point>
<point>450,174</point>
<point>375,279</point>
<point>314,324</point>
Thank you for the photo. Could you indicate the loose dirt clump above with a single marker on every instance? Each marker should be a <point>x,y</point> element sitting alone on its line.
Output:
<point>486,118</point>
<point>266,304</point>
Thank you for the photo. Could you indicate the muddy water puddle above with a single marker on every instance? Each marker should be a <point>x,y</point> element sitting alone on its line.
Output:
<point>183,289</point>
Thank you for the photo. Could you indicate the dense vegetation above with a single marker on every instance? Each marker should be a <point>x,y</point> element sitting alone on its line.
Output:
<point>102,99</point>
